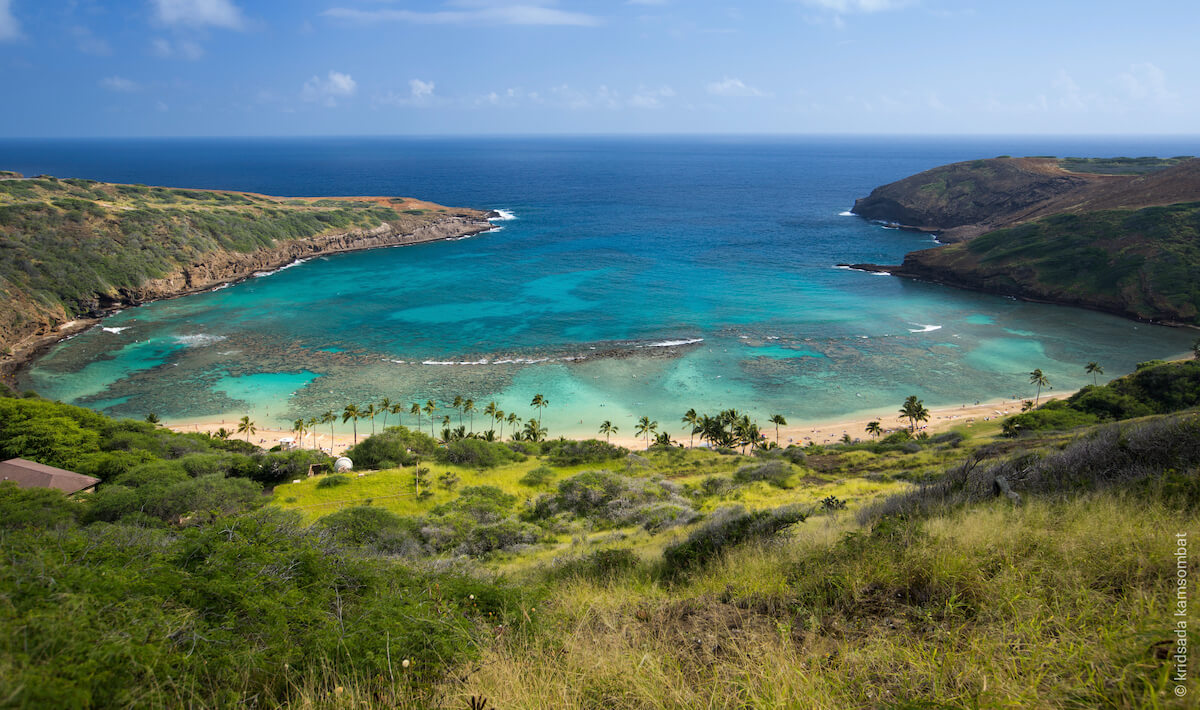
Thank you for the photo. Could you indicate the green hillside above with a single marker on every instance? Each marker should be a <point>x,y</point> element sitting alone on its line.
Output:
<point>1141,263</point>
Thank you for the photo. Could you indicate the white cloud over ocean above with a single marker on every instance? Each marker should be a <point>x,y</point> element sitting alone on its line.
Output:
<point>328,90</point>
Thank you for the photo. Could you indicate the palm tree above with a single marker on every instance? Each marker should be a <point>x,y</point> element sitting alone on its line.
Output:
<point>914,411</point>
<point>416,409</point>
<point>540,402</point>
<point>398,410</point>
<point>490,409</point>
<point>777,419</point>
<point>369,413</point>
<point>446,421</point>
<point>692,420</point>
<point>352,412</point>
<point>645,428</point>
<point>1094,369</point>
<point>1037,377</point>
<point>312,426</point>
<point>430,407</point>
<point>245,426</point>
<point>607,429</point>
<point>663,438</point>
<point>513,421</point>
<point>534,431</point>
<point>299,428</point>
<point>329,418</point>
<point>499,417</point>
<point>468,406</point>
<point>222,434</point>
<point>385,407</point>
<point>874,429</point>
<point>457,406</point>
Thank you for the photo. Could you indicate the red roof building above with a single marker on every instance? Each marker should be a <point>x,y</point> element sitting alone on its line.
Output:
<point>31,474</point>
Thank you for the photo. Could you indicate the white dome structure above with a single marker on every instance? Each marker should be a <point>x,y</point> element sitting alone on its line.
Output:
<point>343,464</point>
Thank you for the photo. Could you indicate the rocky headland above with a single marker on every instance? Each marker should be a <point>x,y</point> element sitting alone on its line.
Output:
<point>1117,235</point>
<point>73,251</point>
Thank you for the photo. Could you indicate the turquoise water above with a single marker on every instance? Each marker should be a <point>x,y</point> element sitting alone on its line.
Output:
<point>639,277</point>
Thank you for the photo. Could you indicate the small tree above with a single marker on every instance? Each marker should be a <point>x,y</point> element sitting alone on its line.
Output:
<point>245,426</point>
<point>1094,369</point>
<point>874,429</point>
<point>1037,377</point>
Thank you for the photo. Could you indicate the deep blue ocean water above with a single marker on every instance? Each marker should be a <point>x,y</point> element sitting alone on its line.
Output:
<point>618,245</point>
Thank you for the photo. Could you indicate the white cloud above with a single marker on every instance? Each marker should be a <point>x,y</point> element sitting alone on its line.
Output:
<point>120,84</point>
<point>184,49</point>
<point>527,14</point>
<point>865,6</point>
<point>1145,82</point>
<point>733,87</point>
<point>420,89</point>
<point>89,43</point>
<point>9,27</point>
<point>651,98</point>
<point>200,13</point>
<point>328,90</point>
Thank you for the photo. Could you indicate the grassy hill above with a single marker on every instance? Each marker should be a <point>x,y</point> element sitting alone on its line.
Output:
<point>1139,263</point>
<point>72,248</point>
<point>885,573</point>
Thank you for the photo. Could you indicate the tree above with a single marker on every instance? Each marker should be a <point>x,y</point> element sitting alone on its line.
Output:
<point>469,408</point>
<point>329,418</point>
<point>1037,377</point>
<point>222,433</point>
<point>312,426</point>
<point>914,411</point>
<point>692,420</point>
<point>663,438</point>
<point>352,413</point>
<point>534,431</point>
<point>777,420</point>
<point>513,421</point>
<point>369,413</point>
<point>398,410</point>
<point>416,409</point>
<point>607,429</point>
<point>457,406</point>
<point>430,408</point>
<point>300,428</point>
<point>1094,369</point>
<point>540,402</point>
<point>645,428</point>
<point>874,429</point>
<point>385,408</point>
<point>498,417</point>
<point>1196,349</point>
<point>153,418</point>
<point>245,426</point>
<point>491,409</point>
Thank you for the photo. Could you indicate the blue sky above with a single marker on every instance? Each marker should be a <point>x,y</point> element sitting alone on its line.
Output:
<point>354,67</point>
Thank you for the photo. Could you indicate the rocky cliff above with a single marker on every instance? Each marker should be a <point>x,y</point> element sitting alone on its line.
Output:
<point>73,250</point>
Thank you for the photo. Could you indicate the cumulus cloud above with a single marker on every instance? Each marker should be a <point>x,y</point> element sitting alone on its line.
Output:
<point>501,14</point>
<point>1145,82</point>
<point>199,13</point>
<point>183,49</point>
<point>9,27</point>
<point>120,84</point>
<point>864,6</point>
<point>733,87</point>
<point>651,98</point>
<point>420,89</point>
<point>328,90</point>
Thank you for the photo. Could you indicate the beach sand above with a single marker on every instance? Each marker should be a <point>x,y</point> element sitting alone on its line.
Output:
<point>826,432</point>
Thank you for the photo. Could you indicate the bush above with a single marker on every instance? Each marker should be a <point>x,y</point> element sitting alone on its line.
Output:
<point>539,476</point>
<point>476,453</point>
<point>287,465</point>
<point>610,499</point>
<point>573,453</point>
<point>333,480</point>
<point>601,564</point>
<point>374,528</point>
<point>775,473</point>
<point>728,527</point>
<point>391,448</point>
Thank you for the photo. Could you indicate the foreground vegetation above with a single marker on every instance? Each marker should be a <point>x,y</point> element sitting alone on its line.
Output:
<point>1034,568</point>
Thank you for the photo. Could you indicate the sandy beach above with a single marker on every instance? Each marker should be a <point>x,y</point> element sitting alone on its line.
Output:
<point>826,432</point>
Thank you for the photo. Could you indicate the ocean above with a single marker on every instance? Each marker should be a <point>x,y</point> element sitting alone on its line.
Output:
<point>630,277</point>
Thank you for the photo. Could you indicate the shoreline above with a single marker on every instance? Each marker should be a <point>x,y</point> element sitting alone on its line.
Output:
<point>824,431</point>
<point>25,351</point>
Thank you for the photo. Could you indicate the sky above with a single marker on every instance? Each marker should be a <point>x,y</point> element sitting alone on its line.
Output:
<point>87,68</point>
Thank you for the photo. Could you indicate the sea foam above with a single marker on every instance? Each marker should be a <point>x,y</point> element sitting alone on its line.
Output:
<point>198,340</point>
<point>115,329</point>
<point>260,274</point>
<point>505,215</point>
<point>924,328</point>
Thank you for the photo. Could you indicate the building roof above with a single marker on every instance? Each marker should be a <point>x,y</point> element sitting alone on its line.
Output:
<point>31,474</point>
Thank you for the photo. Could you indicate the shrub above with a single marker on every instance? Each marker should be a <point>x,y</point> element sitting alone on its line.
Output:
<point>726,528</point>
<point>573,453</point>
<point>539,476</point>
<point>374,528</point>
<point>775,473</point>
<point>333,480</point>
<point>391,446</point>
<point>476,453</point>
<point>609,499</point>
<point>286,465</point>
<point>601,564</point>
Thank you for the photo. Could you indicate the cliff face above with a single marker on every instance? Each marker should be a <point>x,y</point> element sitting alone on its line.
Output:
<point>72,251</point>
<point>963,200</point>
